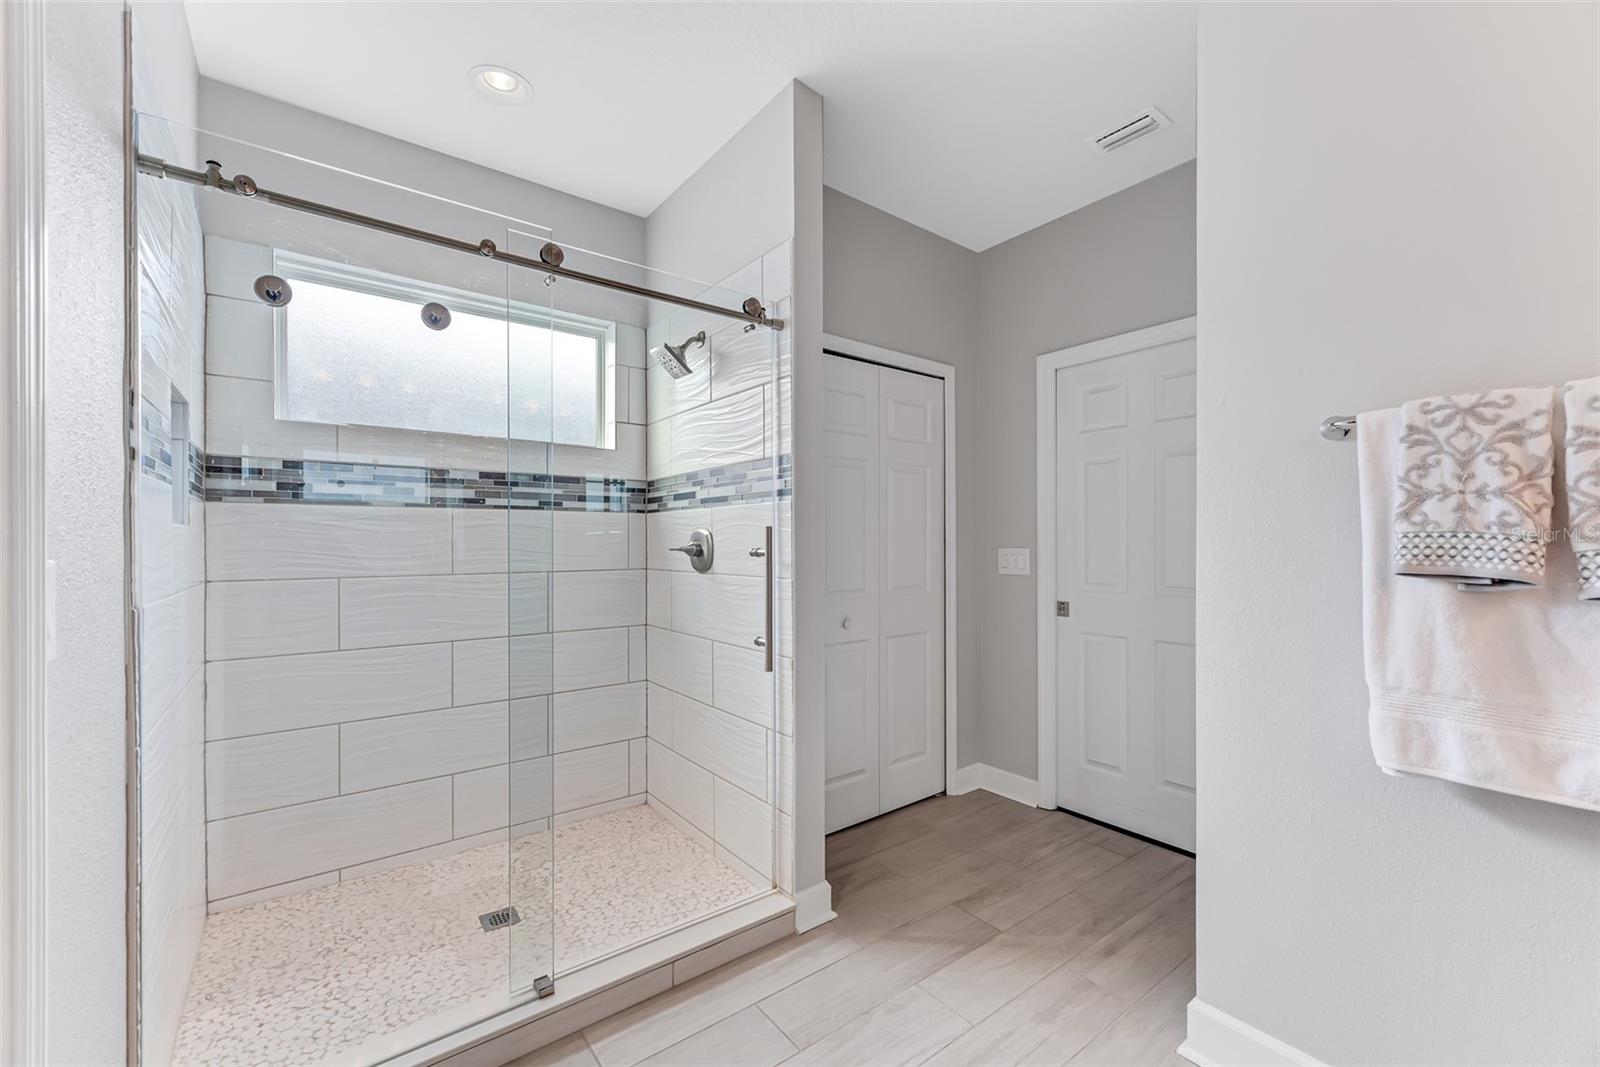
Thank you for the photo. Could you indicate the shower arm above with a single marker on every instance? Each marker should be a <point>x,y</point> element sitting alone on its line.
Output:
<point>549,261</point>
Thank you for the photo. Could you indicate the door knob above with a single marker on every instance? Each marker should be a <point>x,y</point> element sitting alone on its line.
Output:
<point>845,622</point>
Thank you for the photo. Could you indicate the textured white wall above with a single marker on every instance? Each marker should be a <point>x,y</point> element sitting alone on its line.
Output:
<point>1394,201</point>
<point>84,534</point>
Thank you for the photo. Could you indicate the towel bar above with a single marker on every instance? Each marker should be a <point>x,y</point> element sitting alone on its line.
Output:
<point>1338,427</point>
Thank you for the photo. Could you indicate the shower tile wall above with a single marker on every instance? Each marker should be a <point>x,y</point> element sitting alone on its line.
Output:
<point>171,559</point>
<point>716,764</point>
<point>358,703</point>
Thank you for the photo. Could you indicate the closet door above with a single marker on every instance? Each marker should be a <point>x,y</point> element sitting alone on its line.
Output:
<point>911,597</point>
<point>883,650</point>
<point>851,576</point>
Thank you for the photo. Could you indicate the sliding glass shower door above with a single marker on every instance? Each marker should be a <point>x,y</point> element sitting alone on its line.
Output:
<point>653,432</point>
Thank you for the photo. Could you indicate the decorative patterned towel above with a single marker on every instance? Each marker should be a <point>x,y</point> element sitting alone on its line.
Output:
<point>1499,692</point>
<point>1474,481</point>
<point>1583,482</point>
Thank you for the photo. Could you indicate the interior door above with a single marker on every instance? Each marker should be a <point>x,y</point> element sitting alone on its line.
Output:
<point>884,646</point>
<point>1125,503</point>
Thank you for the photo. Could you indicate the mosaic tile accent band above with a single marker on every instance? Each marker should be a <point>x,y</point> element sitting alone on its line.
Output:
<point>736,483</point>
<point>253,478</point>
<point>155,451</point>
<point>308,481</point>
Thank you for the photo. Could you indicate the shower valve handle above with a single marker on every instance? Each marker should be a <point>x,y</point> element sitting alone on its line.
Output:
<point>693,550</point>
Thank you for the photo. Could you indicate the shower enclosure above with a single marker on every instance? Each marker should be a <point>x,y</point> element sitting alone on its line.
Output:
<point>460,616</point>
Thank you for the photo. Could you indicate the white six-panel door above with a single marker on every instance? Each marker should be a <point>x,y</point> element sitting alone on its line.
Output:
<point>1125,504</point>
<point>883,653</point>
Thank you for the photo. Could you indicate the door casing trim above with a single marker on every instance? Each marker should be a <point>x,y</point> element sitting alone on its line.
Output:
<point>1045,455</point>
<point>832,344</point>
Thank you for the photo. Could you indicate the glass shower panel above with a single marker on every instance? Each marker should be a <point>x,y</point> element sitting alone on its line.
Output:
<point>532,347</point>
<point>662,734</point>
<point>365,596</point>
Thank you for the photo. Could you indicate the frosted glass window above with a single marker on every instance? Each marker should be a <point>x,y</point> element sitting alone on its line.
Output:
<point>349,355</point>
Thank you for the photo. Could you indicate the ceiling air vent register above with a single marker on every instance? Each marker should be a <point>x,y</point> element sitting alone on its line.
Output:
<point>1124,133</point>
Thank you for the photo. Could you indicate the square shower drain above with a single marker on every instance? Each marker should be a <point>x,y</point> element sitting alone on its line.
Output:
<point>500,919</point>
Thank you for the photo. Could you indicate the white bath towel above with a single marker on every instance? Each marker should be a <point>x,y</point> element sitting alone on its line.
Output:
<point>1475,488</point>
<point>1582,399</point>
<point>1497,692</point>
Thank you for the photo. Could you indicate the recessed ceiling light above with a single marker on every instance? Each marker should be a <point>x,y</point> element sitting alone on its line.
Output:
<point>500,83</point>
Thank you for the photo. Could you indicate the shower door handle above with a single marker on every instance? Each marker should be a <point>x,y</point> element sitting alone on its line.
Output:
<point>766,641</point>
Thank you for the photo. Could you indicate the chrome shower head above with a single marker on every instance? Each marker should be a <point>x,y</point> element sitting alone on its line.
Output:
<point>672,358</point>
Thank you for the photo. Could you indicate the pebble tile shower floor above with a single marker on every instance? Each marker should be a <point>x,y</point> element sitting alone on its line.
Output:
<point>302,978</point>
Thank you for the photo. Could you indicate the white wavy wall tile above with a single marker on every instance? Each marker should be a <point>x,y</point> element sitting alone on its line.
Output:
<point>269,541</point>
<point>240,422</point>
<point>254,696</point>
<point>248,619</point>
<point>408,748</point>
<point>730,748</point>
<point>238,338</point>
<point>404,611</point>
<point>590,540</point>
<point>249,774</point>
<point>727,430</point>
<point>586,600</point>
<point>598,716</point>
<point>253,851</point>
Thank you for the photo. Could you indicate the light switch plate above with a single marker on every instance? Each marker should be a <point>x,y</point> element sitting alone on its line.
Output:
<point>1015,560</point>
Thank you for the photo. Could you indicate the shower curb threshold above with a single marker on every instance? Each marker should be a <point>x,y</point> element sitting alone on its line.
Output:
<point>489,1032</point>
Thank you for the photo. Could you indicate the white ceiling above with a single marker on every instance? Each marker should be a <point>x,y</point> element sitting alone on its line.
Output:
<point>967,119</point>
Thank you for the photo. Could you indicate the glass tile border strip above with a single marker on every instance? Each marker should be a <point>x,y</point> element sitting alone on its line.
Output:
<point>155,451</point>
<point>307,481</point>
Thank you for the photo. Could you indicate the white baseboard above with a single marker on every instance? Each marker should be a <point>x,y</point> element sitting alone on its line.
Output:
<point>1217,1039</point>
<point>1005,783</point>
<point>813,906</point>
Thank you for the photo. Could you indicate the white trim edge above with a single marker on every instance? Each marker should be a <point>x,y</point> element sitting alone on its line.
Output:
<point>997,780</point>
<point>1217,1039</point>
<point>1048,791</point>
<point>24,842</point>
<point>813,906</point>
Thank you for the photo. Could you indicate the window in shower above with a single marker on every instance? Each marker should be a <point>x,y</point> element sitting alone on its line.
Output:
<point>354,348</point>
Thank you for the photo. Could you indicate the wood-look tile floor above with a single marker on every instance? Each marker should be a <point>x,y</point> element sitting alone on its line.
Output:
<point>971,930</point>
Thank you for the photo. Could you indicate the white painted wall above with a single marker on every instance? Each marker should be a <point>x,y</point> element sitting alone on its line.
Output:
<point>892,284</point>
<point>1396,200</point>
<point>84,534</point>
<point>737,206</point>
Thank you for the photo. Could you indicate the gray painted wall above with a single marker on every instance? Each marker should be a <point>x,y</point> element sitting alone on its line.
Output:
<point>1123,263</point>
<point>233,112</point>
<point>1348,263</point>
<point>892,284</point>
